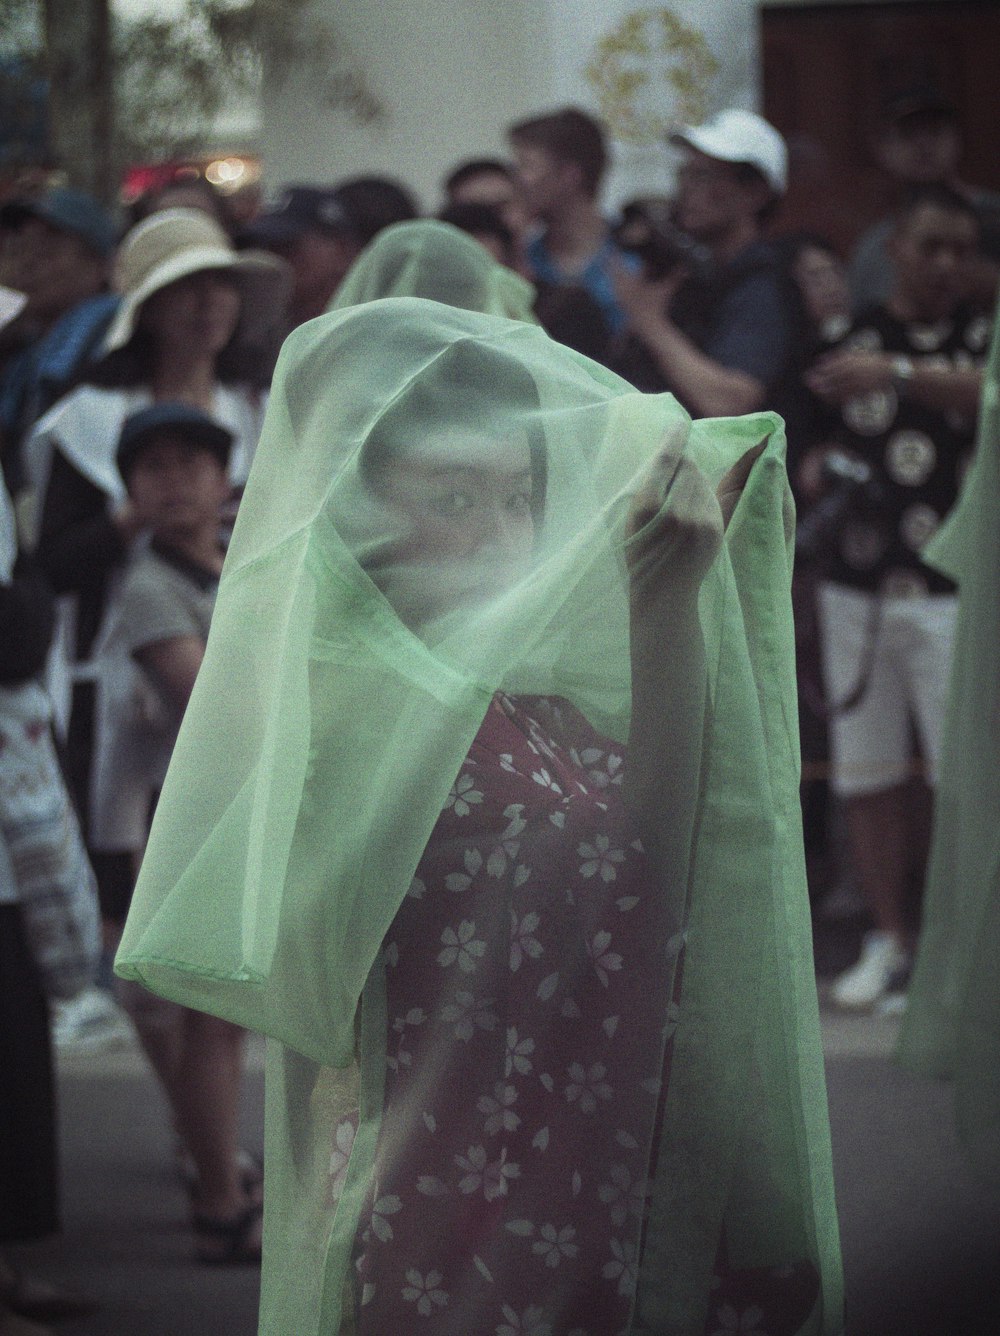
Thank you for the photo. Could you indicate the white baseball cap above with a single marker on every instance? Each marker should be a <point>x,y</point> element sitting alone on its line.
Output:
<point>735,135</point>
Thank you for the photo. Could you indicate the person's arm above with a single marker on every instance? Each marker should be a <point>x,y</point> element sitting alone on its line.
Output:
<point>27,619</point>
<point>846,373</point>
<point>79,539</point>
<point>673,533</point>
<point>705,386</point>
<point>173,665</point>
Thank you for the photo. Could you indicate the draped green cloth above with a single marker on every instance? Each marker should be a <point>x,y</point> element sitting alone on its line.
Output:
<point>347,674</point>
<point>952,1023</point>
<point>426,258</point>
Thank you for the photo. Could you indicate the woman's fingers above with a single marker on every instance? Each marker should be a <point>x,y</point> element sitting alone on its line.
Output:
<point>730,489</point>
<point>674,518</point>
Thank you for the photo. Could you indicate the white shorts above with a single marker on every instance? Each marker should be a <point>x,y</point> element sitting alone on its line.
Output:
<point>906,667</point>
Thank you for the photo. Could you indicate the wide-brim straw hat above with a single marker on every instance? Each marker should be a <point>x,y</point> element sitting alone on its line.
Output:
<point>174,243</point>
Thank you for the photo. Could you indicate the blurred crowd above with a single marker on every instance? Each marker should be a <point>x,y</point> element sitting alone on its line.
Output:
<point>134,373</point>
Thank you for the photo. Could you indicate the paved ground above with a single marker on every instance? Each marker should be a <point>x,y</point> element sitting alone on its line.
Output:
<point>921,1237</point>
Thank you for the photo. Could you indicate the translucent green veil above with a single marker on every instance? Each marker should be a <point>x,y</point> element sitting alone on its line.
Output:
<point>340,692</point>
<point>426,258</point>
<point>952,1023</point>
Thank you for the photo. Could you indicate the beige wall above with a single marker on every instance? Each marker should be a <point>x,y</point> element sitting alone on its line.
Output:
<point>451,74</point>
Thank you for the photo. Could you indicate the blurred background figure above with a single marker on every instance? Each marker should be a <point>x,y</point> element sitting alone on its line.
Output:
<point>49,938</point>
<point>906,383</point>
<point>715,329</point>
<point>919,143</point>
<point>816,279</point>
<point>489,183</point>
<point>487,227</point>
<point>321,230</point>
<point>58,249</point>
<point>174,460</point>
<point>193,316</point>
<point>560,161</point>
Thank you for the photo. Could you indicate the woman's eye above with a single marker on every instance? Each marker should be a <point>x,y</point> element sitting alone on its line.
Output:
<point>520,503</point>
<point>453,503</point>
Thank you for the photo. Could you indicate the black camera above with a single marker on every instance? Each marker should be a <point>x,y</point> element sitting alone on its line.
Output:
<point>852,487</point>
<point>647,229</point>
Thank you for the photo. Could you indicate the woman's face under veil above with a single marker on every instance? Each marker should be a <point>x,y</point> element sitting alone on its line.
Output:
<point>462,522</point>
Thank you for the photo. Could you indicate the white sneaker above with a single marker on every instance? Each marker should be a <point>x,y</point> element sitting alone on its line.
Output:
<point>92,1020</point>
<point>882,963</point>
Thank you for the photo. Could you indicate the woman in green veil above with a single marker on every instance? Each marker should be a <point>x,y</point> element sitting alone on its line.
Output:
<point>485,812</point>
<point>427,258</point>
<point>952,1023</point>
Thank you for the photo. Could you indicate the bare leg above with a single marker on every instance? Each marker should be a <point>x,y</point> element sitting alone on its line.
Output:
<point>207,1099</point>
<point>880,844</point>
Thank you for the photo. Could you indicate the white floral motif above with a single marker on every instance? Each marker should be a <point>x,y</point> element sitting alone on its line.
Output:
<point>530,1323</point>
<point>601,776</point>
<point>733,1322</point>
<point>605,961</point>
<point>624,1194</point>
<point>380,1225</point>
<point>555,1244</point>
<point>463,796</point>
<point>466,1014</point>
<point>499,1111</point>
<point>517,1059</point>
<point>541,776</point>
<point>424,1291</point>
<point>507,845</point>
<point>462,946</point>
<point>522,940</point>
<point>600,858</point>
<point>339,1157</point>
<point>490,1176</point>
<point>586,1087</point>
<point>623,1267</point>
<point>461,881</point>
<point>403,1057</point>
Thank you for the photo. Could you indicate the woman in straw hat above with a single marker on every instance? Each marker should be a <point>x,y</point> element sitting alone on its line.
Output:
<point>193,311</point>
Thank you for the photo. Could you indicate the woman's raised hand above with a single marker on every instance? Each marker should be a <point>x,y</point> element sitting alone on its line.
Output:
<point>675,522</point>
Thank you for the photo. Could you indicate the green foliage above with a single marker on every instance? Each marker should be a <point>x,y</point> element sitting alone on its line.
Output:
<point>172,75</point>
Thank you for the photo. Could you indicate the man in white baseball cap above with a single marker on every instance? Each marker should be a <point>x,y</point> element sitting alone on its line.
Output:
<point>719,336</point>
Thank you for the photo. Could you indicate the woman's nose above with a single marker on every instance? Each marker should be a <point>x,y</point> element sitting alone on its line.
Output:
<point>498,529</point>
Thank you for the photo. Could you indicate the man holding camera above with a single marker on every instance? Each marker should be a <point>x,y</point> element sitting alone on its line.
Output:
<point>905,384</point>
<point>718,335</point>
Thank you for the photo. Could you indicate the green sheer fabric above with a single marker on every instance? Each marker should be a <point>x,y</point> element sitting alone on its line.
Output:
<point>426,258</point>
<point>346,675</point>
<point>952,1023</point>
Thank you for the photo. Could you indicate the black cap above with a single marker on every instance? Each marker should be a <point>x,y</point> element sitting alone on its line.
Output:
<point>183,420</point>
<point>917,100</point>
<point>298,209</point>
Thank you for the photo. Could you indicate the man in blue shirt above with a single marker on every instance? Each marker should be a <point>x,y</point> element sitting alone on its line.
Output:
<point>560,161</point>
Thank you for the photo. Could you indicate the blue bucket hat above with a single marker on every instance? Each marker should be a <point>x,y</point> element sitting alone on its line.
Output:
<point>72,211</point>
<point>183,420</point>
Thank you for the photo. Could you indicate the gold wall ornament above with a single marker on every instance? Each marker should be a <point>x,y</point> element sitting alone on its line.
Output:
<point>650,51</point>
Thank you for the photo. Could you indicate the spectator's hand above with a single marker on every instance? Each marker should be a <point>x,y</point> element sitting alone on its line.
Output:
<point>846,373</point>
<point>809,480</point>
<point>645,300</point>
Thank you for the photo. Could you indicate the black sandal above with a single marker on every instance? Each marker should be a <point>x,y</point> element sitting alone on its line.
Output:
<point>233,1242</point>
<point>251,1171</point>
